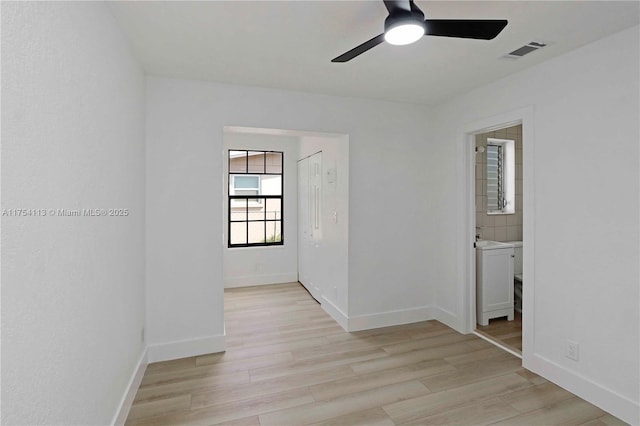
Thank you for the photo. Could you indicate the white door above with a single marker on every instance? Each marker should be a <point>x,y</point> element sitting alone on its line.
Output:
<point>315,189</point>
<point>304,222</point>
<point>309,222</point>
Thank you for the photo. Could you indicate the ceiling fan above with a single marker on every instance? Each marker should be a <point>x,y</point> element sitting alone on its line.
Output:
<point>406,24</point>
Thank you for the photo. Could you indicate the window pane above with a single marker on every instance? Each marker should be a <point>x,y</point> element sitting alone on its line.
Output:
<point>271,185</point>
<point>256,209</point>
<point>237,161</point>
<point>274,231</point>
<point>274,209</point>
<point>238,233</point>
<point>238,204</point>
<point>237,213</point>
<point>256,162</point>
<point>274,162</point>
<point>256,232</point>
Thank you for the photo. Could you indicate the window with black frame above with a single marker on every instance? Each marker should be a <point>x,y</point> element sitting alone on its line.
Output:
<point>255,198</point>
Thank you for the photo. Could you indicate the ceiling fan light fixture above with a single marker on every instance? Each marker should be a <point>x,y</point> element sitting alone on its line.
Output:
<point>404,33</point>
<point>406,24</point>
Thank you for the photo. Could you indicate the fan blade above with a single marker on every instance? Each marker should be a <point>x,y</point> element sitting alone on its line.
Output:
<point>359,49</point>
<point>482,29</point>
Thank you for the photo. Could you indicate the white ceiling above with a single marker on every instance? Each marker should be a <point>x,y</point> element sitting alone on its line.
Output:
<point>290,44</point>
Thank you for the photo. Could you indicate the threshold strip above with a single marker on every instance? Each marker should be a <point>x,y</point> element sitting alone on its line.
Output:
<point>498,344</point>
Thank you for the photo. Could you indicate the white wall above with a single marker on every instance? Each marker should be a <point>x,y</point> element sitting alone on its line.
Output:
<point>387,238</point>
<point>72,287</point>
<point>586,160</point>
<point>264,265</point>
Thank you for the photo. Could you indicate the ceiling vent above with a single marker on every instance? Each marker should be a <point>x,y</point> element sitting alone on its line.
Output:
<point>524,50</point>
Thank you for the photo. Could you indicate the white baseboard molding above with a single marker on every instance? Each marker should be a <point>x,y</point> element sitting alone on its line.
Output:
<point>390,318</point>
<point>186,348</point>
<point>130,393</point>
<point>606,399</point>
<point>259,279</point>
<point>447,318</point>
<point>335,312</point>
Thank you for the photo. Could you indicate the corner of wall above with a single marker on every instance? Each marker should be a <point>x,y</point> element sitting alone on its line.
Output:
<point>335,313</point>
<point>186,348</point>
<point>126,402</point>
<point>448,318</point>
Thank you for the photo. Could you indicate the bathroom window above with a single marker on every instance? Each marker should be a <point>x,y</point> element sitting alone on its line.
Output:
<point>500,176</point>
<point>255,198</point>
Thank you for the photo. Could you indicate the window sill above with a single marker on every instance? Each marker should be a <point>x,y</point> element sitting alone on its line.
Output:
<point>269,247</point>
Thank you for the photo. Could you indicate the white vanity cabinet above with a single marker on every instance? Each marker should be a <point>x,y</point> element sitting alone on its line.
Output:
<point>494,281</point>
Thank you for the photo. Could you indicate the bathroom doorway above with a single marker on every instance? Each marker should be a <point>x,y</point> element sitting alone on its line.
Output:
<point>499,230</point>
<point>498,218</point>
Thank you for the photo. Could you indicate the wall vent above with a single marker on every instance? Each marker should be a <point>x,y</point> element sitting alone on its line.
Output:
<point>524,50</point>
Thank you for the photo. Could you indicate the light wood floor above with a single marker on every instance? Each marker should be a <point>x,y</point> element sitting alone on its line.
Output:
<point>288,363</point>
<point>509,333</point>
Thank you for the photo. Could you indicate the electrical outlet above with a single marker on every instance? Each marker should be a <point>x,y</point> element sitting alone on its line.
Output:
<point>571,350</point>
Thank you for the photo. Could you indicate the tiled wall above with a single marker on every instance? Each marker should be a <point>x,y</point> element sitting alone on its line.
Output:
<point>501,227</point>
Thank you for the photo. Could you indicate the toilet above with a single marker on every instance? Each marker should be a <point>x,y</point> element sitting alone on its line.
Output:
<point>517,274</point>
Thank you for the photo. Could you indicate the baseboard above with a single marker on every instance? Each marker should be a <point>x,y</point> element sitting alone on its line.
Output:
<point>132,388</point>
<point>390,318</point>
<point>335,312</point>
<point>447,318</point>
<point>186,348</point>
<point>259,279</point>
<point>606,399</point>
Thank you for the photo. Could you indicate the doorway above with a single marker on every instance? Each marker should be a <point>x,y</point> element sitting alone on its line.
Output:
<point>322,258</point>
<point>498,211</point>
<point>514,334</point>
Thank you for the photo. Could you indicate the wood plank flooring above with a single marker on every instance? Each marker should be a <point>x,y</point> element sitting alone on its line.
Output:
<point>288,363</point>
<point>509,333</point>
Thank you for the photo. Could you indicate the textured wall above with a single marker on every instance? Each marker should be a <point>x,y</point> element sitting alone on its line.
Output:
<point>73,286</point>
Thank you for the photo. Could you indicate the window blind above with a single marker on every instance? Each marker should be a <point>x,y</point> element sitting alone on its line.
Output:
<point>495,196</point>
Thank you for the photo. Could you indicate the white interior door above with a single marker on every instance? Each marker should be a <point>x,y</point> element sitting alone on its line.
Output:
<point>315,189</point>
<point>304,221</point>
<point>309,222</point>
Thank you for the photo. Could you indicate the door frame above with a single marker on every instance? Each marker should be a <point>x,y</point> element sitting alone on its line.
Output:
<point>467,221</point>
